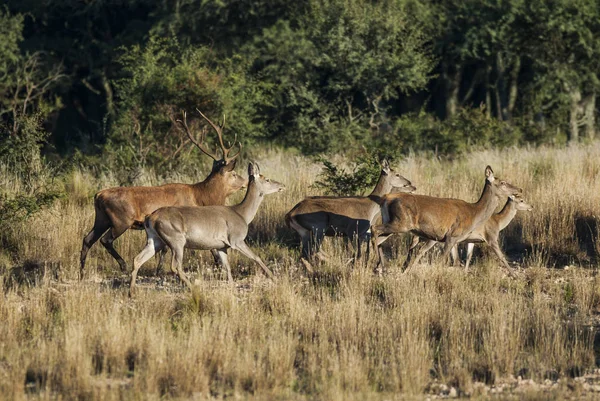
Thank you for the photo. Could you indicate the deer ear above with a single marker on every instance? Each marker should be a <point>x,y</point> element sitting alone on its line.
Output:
<point>489,173</point>
<point>250,169</point>
<point>385,165</point>
<point>230,166</point>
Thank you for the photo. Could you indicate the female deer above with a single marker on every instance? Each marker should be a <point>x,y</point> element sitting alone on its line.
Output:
<point>206,227</point>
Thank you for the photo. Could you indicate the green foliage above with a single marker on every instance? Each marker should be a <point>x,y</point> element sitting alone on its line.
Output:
<point>337,69</point>
<point>320,75</point>
<point>22,207</point>
<point>20,154</point>
<point>363,176</point>
<point>161,80</point>
<point>468,129</point>
<point>10,38</point>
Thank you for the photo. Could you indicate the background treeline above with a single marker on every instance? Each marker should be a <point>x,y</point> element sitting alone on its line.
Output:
<point>100,82</point>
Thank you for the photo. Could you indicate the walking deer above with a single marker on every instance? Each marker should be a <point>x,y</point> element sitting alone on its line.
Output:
<point>121,208</point>
<point>437,219</point>
<point>317,217</point>
<point>489,232</point>
<point>208,227</point>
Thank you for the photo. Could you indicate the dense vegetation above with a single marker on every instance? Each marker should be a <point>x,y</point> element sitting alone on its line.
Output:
<point>106,77</point>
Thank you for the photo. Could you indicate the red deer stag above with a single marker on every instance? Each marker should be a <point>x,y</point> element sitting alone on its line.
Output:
<point>438,219</point>
<point>349,216</point>
<point>210,227</point>
<point>121,208</point>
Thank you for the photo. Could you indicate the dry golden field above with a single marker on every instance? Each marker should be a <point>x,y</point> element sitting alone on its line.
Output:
<point>342,333</point>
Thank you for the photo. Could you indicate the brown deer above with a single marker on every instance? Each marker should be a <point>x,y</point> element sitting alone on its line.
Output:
<point>351,216</point>
<point>489,232</point>
<point>121,208</point>
<point>209,227</point>
<point>437,219</point>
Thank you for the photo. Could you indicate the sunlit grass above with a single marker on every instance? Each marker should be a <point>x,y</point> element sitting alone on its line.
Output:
<point>340,334</point>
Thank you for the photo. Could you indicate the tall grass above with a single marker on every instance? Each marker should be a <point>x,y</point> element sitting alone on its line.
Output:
<point>339,334</point>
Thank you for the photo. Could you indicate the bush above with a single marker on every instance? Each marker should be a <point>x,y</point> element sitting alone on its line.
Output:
<point>338,182</point>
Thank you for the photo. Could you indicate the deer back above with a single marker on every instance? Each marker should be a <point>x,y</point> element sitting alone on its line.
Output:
<point>208,227</point>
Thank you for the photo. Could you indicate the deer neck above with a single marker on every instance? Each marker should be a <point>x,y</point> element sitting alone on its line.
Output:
<point>211,191</point>
<point>249,206</point>
<point>485,206</point>
<point>383,187</point>
<point>505,216</point>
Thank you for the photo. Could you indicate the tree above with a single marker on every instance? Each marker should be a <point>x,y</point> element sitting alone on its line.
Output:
<point>565,49</point>
<point>336,69</point>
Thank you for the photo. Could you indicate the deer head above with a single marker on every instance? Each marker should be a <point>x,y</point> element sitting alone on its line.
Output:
<point>499,186</point>
<point>521,204</point>
<point>398,183</point>
<point>264,185</point>
<point>224,164</point>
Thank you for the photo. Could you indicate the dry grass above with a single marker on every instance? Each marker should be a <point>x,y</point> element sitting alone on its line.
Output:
<point>342,334</point>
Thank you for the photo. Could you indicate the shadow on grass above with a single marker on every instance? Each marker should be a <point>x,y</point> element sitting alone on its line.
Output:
<point>31,273</point>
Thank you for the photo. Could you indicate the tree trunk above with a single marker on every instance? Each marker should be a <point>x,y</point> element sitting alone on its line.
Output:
<point>589,116</point>
<point>500,87</point>
<point>512,91</point>
<point>573,114</point>
<point>452,90</point>
<point>488,95</point>
<point>110,105</point>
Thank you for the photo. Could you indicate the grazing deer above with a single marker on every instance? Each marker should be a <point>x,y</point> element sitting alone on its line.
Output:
<point>490,231</point>
<point>350,216</point>
<point>438,219</point>
<point>209,227</point>
<point>121,208</point>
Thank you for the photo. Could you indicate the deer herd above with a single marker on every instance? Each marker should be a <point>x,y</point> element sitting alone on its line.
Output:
<point>179,216</point>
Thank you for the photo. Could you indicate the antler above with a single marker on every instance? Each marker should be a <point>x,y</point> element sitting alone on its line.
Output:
<point>224,149</point>
<point>219,130</point>
<point>199,145</point>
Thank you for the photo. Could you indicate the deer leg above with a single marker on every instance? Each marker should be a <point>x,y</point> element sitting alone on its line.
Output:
<point>381,233</point>
<point>305,250</point>
<point>317,240</point>
<point>245,249</point>
<point>89,240</point>
<point>454,255</point>
<point>496,248</point>
<point>216,257</point>
<point>224,261</point>
<point>152,246</point>
<point>364,239</point>
<point>409,262</point>
<point>161,256</point>
<point>375,232</point>
<point>177,263</point>
<point>448,245</point>
<point>470,247</point>
<point>367,240</point>
<point>415,242</point>
<point>108,239</point>
<point>355,243</point>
